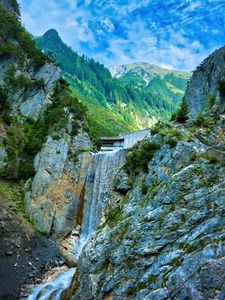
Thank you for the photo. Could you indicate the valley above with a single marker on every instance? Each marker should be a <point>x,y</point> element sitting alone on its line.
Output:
<point>111,179</point>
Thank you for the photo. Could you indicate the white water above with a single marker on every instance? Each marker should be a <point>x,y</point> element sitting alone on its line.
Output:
<point>97,190</point>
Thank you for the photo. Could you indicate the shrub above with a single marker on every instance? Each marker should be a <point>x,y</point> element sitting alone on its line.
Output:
<point>22,143</point>
<point>10,30</point>
<point>182,114</point>
<point>210,102</point>
<point>137,160</point>
<point>15,6</point>
<point>14,82</point>
<point>8,49</point>
<point>3,100</point>
<point>56,116</point>
<point>144,187</point>
<point>200,121</point>
<point>221,88</point>
<point>172,142</point>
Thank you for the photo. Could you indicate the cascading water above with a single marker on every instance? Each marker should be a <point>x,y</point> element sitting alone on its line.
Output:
<point>98,186</point>
<point>97,190</point>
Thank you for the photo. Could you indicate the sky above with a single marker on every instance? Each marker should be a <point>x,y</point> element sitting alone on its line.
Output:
<point>176,34</point>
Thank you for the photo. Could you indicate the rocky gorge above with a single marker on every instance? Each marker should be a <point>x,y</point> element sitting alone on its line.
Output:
<point>143,223</point>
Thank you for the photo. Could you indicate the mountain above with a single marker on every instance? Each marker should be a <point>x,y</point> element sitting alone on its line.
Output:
<point>165,86</point>
<point>206,85</point>
<point>140,223</point>
<point>115,105</point>
<point>161,234</point>
<point>38,115</point>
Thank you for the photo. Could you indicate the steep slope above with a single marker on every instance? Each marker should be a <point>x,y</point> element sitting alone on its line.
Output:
<point>162,234</point>
<point>108,103</point>
<point>43,140</point>
<point>126,106</point>
<point>207,85</point>
<point>163,89</point>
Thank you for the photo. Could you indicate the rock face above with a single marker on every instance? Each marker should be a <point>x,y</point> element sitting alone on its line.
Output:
<point>204,82</point>
<point>163,235</point>
<point>11,6</point>
<point>30,101</point>
<point>37,98</point>
<point>168,243</point>
<point>55,195</point>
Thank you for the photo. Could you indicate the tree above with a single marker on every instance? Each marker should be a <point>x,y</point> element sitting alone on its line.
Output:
<point>182,113</point>
<point>221,88</point>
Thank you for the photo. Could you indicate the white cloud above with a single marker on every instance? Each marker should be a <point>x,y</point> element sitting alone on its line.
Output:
<point>171,33</point>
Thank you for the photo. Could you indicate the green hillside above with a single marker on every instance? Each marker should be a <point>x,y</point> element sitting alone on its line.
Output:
<point>114,105</point>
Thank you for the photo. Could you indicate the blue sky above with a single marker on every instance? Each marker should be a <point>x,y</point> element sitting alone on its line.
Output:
<point>176,34</point>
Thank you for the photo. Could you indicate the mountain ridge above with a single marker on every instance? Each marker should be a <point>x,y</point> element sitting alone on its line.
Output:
<point>115,69</point>
<point>127,106</point>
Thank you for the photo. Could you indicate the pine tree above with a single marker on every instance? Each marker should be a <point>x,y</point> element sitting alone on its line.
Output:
<point>182,113</point>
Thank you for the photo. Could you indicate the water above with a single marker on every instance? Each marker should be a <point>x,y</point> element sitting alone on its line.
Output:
<point>98,186</point>
<point>53,289</point>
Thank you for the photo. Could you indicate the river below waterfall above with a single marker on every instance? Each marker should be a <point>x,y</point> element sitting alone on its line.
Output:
<point>99,183</point>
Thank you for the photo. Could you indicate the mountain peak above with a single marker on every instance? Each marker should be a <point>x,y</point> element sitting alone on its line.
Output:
<point>51,33</point>
<point>144,69</point>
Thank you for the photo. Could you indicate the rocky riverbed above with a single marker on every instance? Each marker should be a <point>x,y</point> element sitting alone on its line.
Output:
<point>25,255</point>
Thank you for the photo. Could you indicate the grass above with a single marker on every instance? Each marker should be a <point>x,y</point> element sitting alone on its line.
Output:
<point>114,217</point>
<point>13,193</point>
<point>137,160</point>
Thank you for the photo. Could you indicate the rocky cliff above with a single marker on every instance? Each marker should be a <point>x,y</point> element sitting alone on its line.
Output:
<point>42,135</point>
<point>44,155</point>
<point>162,236</point>
<point>11,6</point>
<point>205,84</point>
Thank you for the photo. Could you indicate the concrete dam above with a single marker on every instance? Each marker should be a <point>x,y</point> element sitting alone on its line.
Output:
<point>125,141</point>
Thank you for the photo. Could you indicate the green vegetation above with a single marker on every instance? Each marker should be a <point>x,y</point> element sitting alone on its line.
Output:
<point>24,140</point>
<point>200,121</point>
<point>11,29</point>
<point>12,192</point>
<point>210,102</point>
<point>221,88</point>
<point>22,143</point>
<point>172,142</point>
<point>114,217</point>
<point>137,160</point>
<point>181,115</point>
<point>15,6</point>
<point>114,105</point>
<point>25,137</point>
<point>14,82</point>
<point>63,104</point>
<point>144,187</point>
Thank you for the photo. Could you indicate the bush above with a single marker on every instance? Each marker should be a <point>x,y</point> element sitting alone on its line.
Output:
<point>56,116</point>
<point>172,142</point>
<point>15,6</point>
<point>8,49</point>
<point>144,187</point>
<point>221,88</point>
<point>10,30</point>
<point>22,143</point>
<point>200,121</point>
<point>137,160</point>
<point>3,100</point>
<point>210,102</point>
<point>14,82</point>
<point>182,114</point>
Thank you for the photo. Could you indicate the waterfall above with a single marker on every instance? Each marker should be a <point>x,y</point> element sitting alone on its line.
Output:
<point>99,183</point>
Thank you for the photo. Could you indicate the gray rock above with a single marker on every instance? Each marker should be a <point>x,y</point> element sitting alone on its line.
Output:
<point>204,83</point>
<point>165,241</point>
